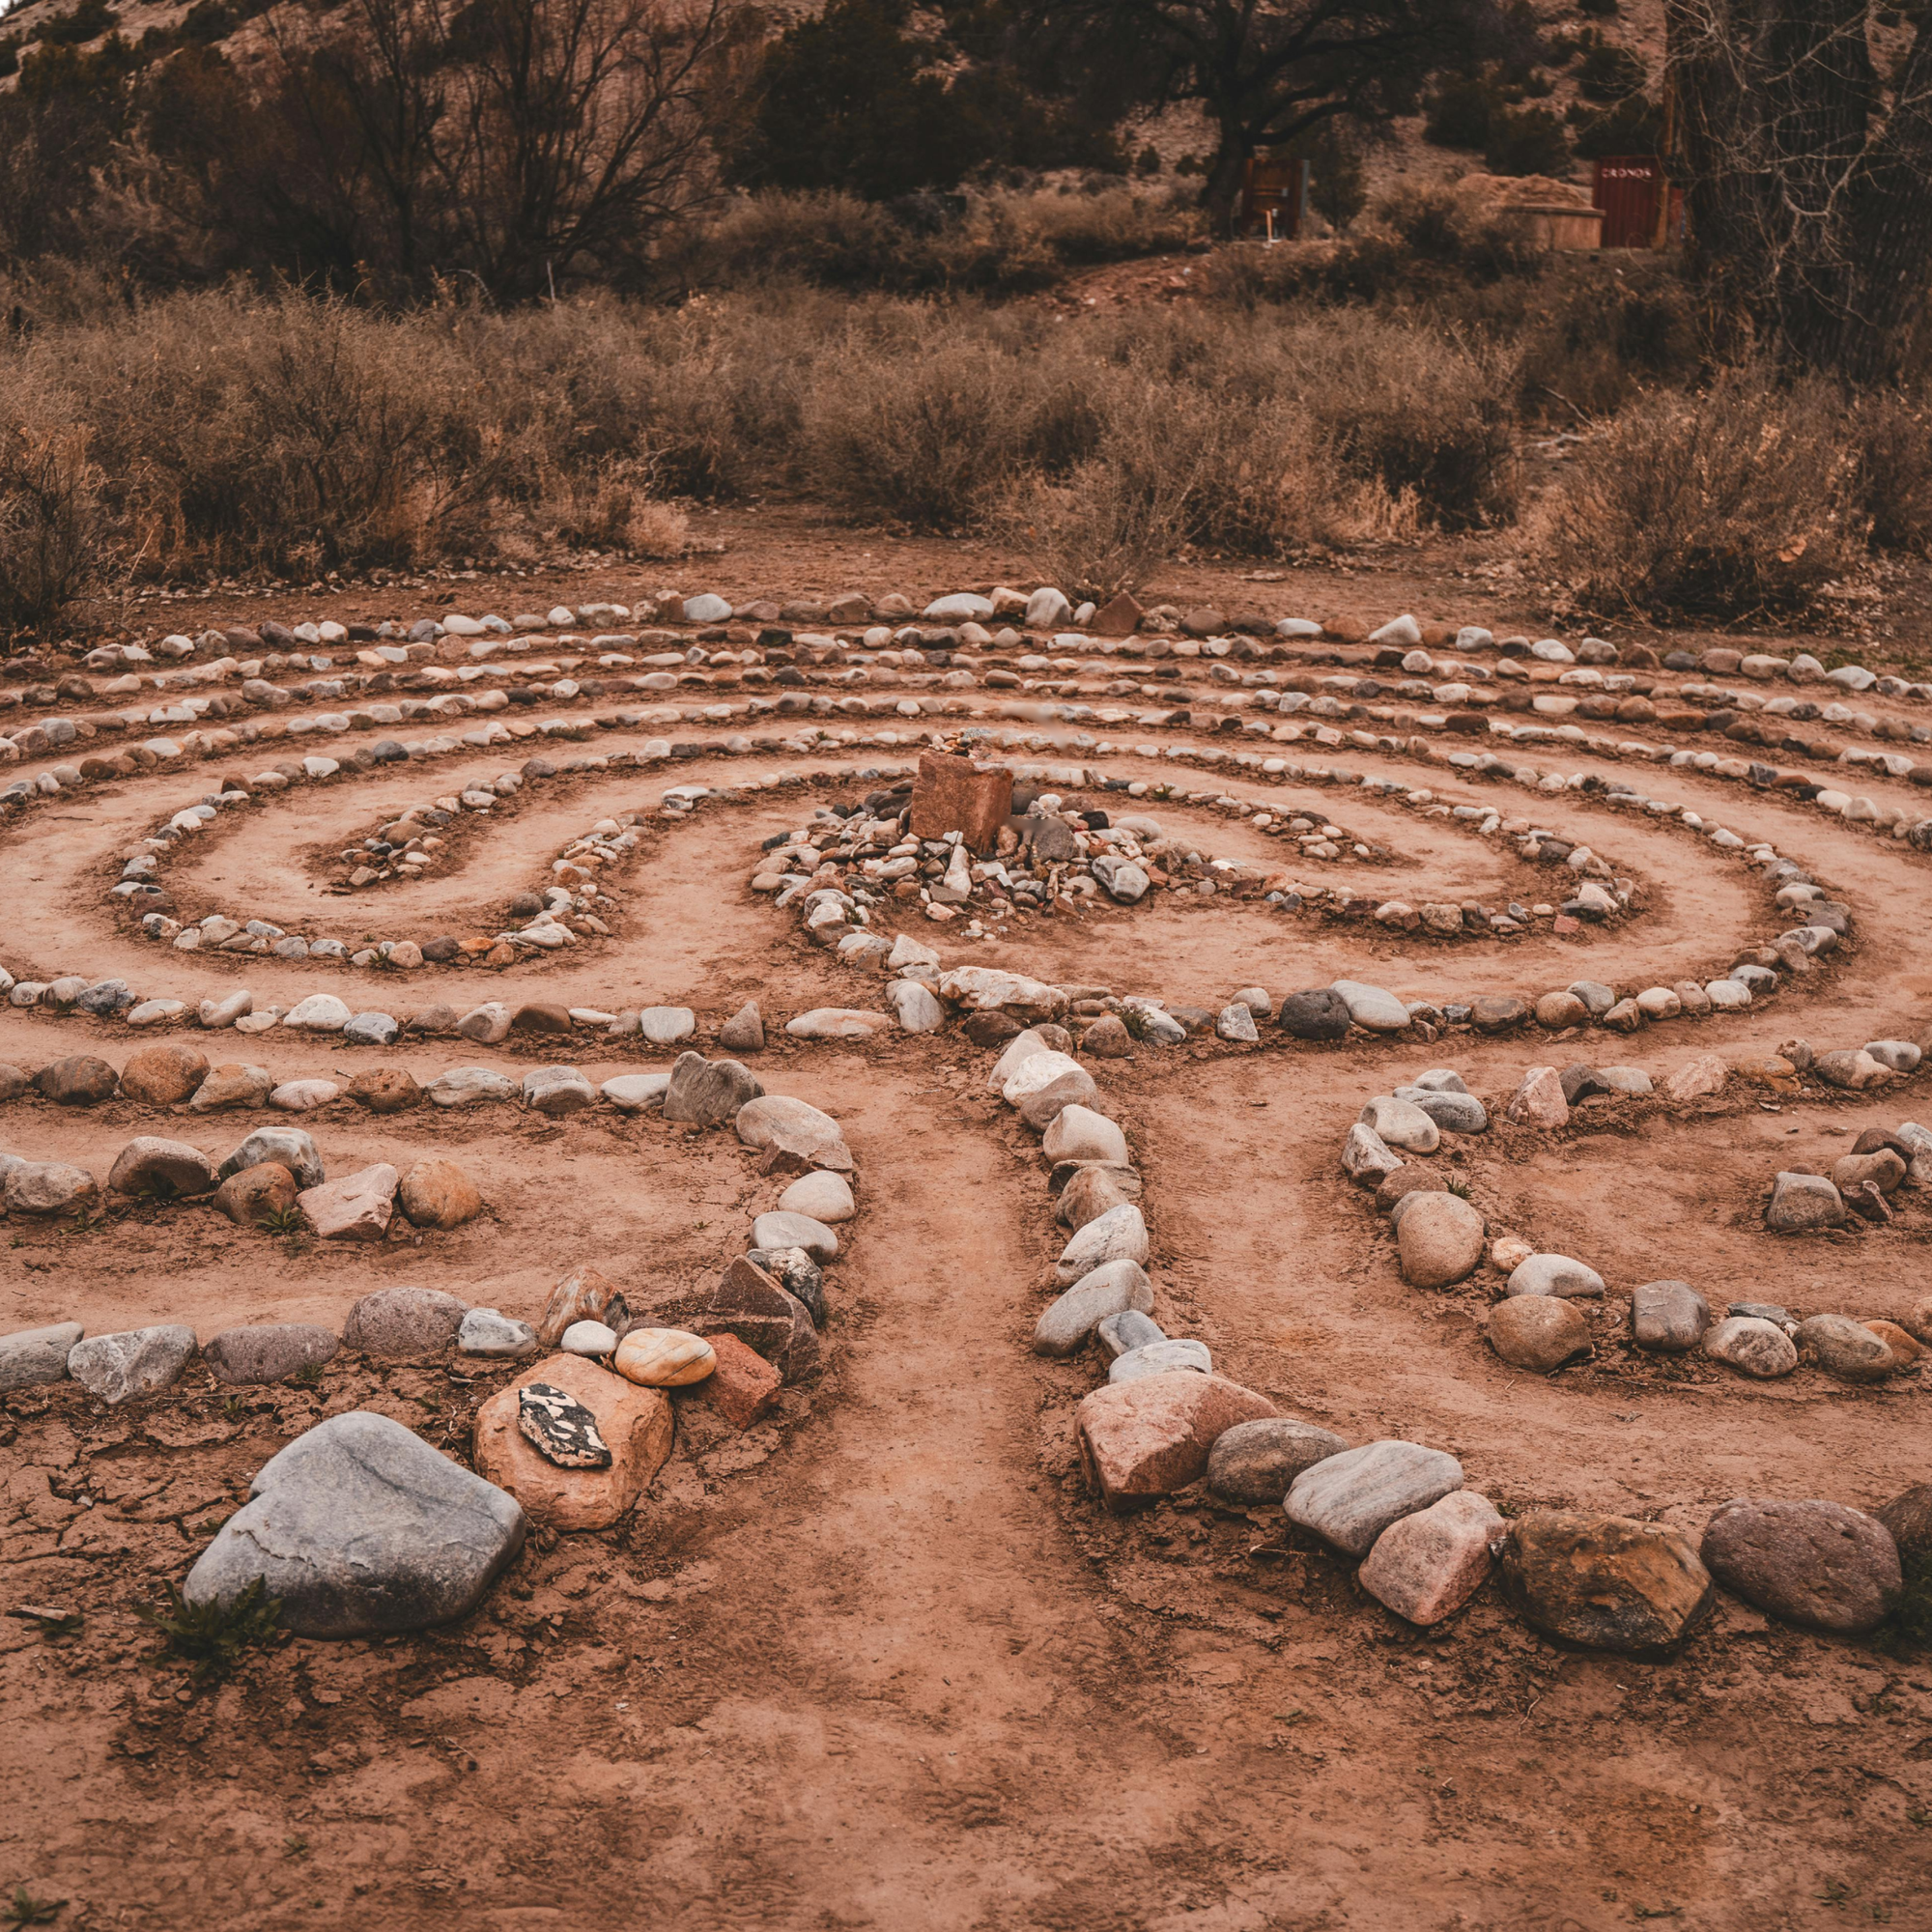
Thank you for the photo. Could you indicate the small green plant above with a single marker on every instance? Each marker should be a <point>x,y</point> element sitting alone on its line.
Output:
<point>295,1847</point>
<point>283,1221</point>
<point>231,1408</point>
<point>1918,1814</point>
<point>1460,1189</point>
<point>53,1623</point>
<point>211,1637</point>
<point>24,1909</point>
<point>308,1376</point>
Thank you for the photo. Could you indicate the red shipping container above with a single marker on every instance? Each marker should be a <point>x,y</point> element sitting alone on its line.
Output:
<point>1630,190</point>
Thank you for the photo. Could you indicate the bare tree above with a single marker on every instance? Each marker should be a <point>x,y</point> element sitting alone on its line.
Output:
<point>574,130</point>
<point>1267,71</point>
<point>521,142</point>
<point>1804,132</point>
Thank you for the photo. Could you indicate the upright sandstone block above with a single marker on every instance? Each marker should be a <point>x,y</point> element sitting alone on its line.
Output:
<point>952,794</point>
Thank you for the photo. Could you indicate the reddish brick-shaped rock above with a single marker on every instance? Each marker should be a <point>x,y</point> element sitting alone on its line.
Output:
<point>1150,1436</point>
<point>952,794</point>
<point>747,1303</point>
<point>743,1387</point>
<point>1116,618</point>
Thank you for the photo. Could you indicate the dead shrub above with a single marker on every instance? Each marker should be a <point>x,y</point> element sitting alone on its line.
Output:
<point>931,435</point>
<point>1422,414</point>
<point>290,433</point>
<point>612,506</point>
<point>1722,505</point>
<point>1891,484</point>
<point>50,523</point>
<point>981,243</point>
<point>1197,468</point>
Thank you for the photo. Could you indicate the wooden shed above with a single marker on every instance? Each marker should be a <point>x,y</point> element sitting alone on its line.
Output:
<point>1274,188</point>
<point>1640,208</point>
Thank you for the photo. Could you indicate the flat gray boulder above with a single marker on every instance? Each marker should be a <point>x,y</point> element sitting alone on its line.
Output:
<point>137,1361</point>
<point>360,1528</point>
<point>35,1355</point>
<point>1161,1358</point>
<point>1350,1499</point>
<point>1454,1113</point>
<point>1114,1288</point>
<point>1375,1008</point>
<point>269,1350</point>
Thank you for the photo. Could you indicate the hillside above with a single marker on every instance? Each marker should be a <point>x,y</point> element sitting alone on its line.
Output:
<point>1595,57</point>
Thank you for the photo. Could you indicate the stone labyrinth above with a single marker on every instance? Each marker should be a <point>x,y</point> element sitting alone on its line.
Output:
<point>1532,950</point>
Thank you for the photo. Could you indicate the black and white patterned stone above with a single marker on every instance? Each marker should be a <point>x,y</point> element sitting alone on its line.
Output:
<point>797,1273</point>
<point>560,1427</point>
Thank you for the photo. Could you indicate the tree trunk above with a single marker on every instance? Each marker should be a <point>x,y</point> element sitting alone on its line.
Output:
<point>1221,192</point>
<point>1810,199</point>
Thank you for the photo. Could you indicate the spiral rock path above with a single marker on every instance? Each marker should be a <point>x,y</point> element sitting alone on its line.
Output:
<point>1105,1341</point>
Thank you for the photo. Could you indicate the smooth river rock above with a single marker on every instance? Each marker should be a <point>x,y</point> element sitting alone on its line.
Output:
<point>1439,1239</point>
<point>1812,1562</point>
<point>1540,1333</point>
<point>1350,1499</point>
<point>1118,1234</point>
<point>1111,1289</point>
<point>1256,1461</point>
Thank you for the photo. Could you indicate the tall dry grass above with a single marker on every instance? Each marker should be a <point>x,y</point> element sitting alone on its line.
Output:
<point>232,433</point>
<point>1727,503</point>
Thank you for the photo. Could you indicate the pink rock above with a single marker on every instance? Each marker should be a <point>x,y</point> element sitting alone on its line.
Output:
<point>1145,1438</point>
<point>357,1207</point>
<point>1696,1077</point>
<point>1538,1101</point>
<point>1427,1566</point>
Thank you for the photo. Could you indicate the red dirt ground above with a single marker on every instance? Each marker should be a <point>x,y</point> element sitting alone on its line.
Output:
<point>881,1662</point>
